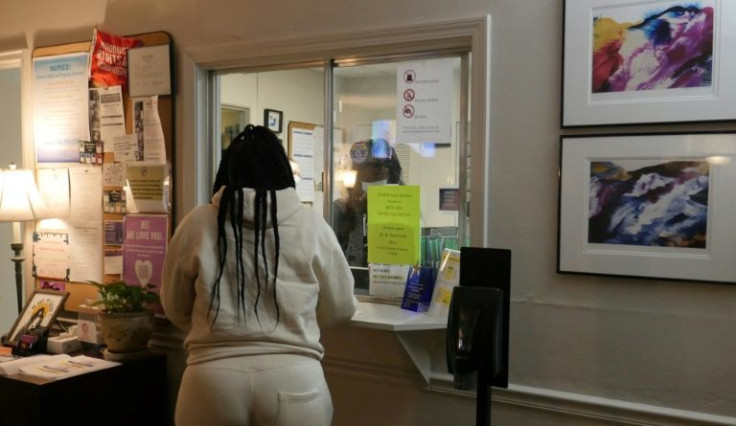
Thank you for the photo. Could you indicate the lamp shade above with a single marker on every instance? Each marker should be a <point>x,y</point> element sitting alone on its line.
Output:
<point>20,200</point>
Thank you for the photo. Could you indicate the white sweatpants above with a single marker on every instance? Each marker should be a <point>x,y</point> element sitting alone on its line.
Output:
<point>268,390</point>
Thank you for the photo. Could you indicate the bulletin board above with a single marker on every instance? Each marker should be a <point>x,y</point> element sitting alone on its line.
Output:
<point>119,220</point>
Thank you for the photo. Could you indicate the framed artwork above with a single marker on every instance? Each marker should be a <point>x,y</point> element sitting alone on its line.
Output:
<point>149,70</point>
<point>273,120</point>
<point>648,61</point>
<point>40,311</point>
<point>654,206</point>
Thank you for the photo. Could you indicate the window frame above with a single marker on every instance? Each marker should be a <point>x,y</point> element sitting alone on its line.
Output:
<point>197,65</point>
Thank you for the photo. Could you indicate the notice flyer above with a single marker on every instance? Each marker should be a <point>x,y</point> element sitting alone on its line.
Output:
<point>106,117</point>
<point>146,183</point>
<point>148,130</point>
<point>393,224</point>
<point>424,104</point>
<point>60,107</point>
<point>51,255</point>
<point>53,184</point>
<point>144,249</point>
<point>387,280</point>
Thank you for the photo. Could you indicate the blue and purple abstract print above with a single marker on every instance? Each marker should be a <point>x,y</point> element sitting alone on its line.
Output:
<point>662,205</point>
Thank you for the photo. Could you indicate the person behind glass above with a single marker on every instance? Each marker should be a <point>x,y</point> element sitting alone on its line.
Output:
<point>252,277</point>
<point>375,163</point>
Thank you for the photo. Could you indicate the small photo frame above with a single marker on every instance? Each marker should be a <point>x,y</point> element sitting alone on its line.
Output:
<point>40,311</point>
<point>648,62</point>
<point>149,71</point>
<point>649,206</point>
<point>273,120</point>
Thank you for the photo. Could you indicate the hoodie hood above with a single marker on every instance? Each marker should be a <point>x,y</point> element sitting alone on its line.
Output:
<point>287,204</point>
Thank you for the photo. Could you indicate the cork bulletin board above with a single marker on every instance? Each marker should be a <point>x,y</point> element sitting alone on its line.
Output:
<point>110,238</point>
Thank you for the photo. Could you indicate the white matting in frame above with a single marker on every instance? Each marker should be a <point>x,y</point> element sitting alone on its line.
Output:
<point>656,224</point>
<point>648,86</point>
<point>149,71</point>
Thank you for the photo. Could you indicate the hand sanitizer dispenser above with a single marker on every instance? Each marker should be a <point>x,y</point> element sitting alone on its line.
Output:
<point>475,342</point>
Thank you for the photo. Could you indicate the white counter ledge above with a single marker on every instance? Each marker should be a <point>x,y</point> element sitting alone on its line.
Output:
<point>416,332</point>
<point>383,316</point>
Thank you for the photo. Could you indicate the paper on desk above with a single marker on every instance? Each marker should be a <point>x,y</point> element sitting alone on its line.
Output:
<point>67,367</point>
<point>13,367</point>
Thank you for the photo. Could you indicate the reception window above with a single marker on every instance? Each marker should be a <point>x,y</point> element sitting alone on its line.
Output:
<point>393,122</point>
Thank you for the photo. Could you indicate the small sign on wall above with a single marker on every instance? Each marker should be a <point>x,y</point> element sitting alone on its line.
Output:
<point>449,199</point>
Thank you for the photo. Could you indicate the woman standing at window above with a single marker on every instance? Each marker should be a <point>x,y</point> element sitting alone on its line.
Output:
<point>252,277</point>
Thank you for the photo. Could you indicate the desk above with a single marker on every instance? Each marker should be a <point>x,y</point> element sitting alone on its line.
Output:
<point>133,393</point>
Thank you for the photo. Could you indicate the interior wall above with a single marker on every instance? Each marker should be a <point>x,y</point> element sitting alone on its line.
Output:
<point>658,342</point>
<point>10,141</point>
<point>298,94</point>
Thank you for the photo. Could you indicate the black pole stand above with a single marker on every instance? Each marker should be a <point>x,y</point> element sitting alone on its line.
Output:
<point>18,259</point>
<point>483,399</point>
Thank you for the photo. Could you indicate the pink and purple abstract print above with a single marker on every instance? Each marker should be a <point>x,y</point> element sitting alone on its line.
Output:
<point>639,48</point>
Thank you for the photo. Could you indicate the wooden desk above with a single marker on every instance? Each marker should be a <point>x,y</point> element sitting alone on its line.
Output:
<point>133,393</point>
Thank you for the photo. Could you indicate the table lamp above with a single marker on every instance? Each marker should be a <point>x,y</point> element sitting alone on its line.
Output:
<point>20,201</point>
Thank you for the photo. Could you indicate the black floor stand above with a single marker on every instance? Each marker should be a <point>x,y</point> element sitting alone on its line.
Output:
<point>483,400</point>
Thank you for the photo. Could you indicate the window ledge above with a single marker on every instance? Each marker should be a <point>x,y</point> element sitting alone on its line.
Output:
<point>390,317</point>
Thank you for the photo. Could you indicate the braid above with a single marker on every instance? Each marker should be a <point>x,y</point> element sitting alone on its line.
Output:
<point>221,253</point>
<point>237,221</point>
<point>256,160</point>
<point>256,226</point>
<point>278,251</point>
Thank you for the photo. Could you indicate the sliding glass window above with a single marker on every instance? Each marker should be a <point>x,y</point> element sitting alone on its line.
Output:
<point>400,121</point>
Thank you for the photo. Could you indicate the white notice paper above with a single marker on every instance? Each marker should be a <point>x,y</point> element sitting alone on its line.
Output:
<point>86,193</point>
<point>51,256</point>
<point>53,184</point>
<point>424,104</point>
<point>148,130</point>
<point>113,174</point>
<point>149,70</point>
<point>85,241</point>
<point>125,148</point>
<point>106,105</point>
<point>387,280</point>
<point>302,149</point>
<point>60,107</point>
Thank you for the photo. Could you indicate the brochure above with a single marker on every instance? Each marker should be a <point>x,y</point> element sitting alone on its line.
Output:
<point>13,365</point>
<point>61,368</point>
<point>448,277</point>
<point>418,290</point>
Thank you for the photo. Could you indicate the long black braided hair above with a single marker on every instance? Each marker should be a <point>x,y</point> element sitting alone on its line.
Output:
<point>255,159</point>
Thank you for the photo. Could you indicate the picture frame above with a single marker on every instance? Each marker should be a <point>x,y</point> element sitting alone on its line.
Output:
<point>40,310</point>
<point>149,70</point>
<point>614,75</point>
<point>649,206</point>
<point>273,120</point>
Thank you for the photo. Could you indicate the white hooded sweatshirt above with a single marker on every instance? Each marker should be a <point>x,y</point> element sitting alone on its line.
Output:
<point>314,286</point>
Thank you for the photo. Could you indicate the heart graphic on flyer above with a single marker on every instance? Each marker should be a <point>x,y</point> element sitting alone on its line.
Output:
<point>144,271</point>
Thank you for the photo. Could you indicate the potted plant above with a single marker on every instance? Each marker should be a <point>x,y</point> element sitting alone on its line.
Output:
<point>126,319</point>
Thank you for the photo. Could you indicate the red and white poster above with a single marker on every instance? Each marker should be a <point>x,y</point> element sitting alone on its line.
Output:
<point>109,59</point>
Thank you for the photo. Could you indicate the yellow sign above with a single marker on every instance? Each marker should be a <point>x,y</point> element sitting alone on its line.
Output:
<point>393,224</point>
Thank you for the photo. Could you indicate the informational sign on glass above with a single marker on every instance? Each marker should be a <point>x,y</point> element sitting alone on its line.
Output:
<point>393,224</point>
<point>424,102</point>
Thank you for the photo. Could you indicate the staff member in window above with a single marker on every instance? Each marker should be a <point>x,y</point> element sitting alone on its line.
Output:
<point>375,163</point>
<point>252,277</point>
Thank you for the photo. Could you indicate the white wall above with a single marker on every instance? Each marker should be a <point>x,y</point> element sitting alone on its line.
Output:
<point>299,94</point>
<point>10,141</point>
<point>623,341</point>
